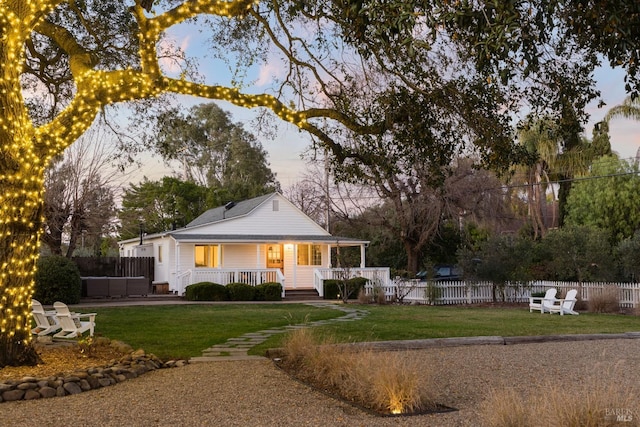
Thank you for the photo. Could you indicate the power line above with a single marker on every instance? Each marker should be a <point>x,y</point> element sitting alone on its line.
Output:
<point>547,183</point>
<point>559,181</point>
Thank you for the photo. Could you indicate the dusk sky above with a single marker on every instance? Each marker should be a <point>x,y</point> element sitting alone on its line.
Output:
<point>285,150</point>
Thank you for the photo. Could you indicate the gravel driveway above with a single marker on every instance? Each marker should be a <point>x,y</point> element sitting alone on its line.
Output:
<point>255,393</point>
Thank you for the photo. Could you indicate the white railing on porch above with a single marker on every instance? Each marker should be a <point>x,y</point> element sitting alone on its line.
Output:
<point>380,276</point>
<point>224,276</point>
<point>461,292</point>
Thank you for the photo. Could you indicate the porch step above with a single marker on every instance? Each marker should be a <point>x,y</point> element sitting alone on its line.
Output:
<point>301,295</point>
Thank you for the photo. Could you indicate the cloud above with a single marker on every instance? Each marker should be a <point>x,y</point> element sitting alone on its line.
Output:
<point>171,51</point>
<point>269,72</point>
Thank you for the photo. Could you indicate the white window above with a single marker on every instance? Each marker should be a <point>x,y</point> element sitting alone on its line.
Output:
<point>206,256</point>
<point>309,255</point>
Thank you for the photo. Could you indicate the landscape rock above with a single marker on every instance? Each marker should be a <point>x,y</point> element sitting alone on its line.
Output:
<point>130,366</point>
<point>47,391</point>
<point>72,388</point>
<point>31,395</point>
<point>11,395</point>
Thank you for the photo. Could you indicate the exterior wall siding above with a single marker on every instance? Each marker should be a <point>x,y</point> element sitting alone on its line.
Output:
<point>265,221</point>
<point>186,260</point>
<point>240,256</point>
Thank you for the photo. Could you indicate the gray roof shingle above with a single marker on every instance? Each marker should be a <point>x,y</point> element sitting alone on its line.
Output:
<point>221,212</point>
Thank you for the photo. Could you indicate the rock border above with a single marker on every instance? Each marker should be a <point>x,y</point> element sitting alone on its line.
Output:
<point>130,366</point>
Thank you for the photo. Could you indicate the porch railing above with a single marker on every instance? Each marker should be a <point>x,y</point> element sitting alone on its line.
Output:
<point>225,276</point>
<point>377,275</point>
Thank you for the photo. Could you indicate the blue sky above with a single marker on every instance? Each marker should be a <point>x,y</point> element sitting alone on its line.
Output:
<point>285,150</point>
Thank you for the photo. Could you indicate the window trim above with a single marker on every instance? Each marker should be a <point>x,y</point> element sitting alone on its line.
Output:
<point>313,254</point>
<point>210,256</point>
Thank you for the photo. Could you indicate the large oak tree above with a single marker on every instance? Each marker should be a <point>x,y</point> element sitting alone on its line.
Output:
<point>63,62</point>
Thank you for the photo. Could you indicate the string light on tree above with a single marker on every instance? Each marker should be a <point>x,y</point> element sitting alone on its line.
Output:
<point>27,149</point>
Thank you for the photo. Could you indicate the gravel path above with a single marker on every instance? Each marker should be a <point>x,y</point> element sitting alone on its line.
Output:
<point>255,393</point>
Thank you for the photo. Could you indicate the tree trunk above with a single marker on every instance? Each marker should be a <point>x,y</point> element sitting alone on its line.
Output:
<point>413,257</point>
<point>21,201</point>
<point>19,247</point>
<point>563,195</point>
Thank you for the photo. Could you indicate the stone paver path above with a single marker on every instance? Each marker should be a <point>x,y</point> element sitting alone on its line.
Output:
<point>237,348</point>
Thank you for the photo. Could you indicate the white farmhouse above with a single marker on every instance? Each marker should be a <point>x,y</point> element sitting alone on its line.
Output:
<point>265,239</point>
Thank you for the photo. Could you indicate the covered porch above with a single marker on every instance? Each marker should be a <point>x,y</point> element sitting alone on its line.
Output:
<point>379,276</point>
<point>289,260</point>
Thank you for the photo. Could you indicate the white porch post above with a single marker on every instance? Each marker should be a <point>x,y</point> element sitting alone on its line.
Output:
<point>362,256</point>
<point>257,255</point>
<point>295,265</point>
<point>328,262</point>
<point>174,285</point>
<point>219,255</point>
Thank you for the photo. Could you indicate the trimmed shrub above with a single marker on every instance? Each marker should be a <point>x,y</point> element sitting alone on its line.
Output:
<point>57,279</point>
<point>241,292</point>
<point>206,291</point>
<point>332,287</point>
<point>269,291</point>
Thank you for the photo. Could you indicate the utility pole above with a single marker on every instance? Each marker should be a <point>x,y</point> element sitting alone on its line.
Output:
<point>327,200</point>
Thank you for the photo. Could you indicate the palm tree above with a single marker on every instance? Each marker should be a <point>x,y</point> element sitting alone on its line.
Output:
<point>629,109</point>
<point>540,143</point>
<point>542,140</point>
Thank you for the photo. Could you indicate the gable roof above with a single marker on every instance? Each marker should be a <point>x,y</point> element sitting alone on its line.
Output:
<point>198,230</point>
<point>224,212</point>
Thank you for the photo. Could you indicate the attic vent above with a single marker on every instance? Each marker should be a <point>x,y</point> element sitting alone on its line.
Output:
<point>276,206</point>
<point>229,205</point>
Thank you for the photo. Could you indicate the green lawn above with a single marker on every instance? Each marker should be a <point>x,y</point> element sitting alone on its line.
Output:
<point>182,331</point>
<point>185,330</point>
<point>395,322</point>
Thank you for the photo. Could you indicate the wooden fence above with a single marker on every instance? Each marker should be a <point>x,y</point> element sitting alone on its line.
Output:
<point>115,266</point>
<point>461,292</point>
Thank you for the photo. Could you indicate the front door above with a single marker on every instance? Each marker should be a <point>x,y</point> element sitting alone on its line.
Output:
<point>275,257</point>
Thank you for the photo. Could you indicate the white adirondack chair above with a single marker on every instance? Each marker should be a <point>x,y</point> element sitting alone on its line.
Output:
<point>46,321</point>
<point>545,303</point>
<point>565,305</point>
<point>71,323</point>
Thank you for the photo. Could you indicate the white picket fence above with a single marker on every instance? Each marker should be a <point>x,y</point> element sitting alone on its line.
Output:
<point>461,292</point>
<point>380,276</point>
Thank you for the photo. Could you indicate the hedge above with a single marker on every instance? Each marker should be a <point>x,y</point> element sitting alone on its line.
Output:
<point>206,291</point>
<point>57,279</point>
<point>241,292</point>
<point>269,291</point>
